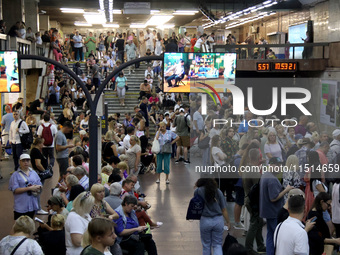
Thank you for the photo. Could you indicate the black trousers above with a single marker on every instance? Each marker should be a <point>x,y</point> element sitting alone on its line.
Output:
<point>137,247</point>
<point>29,214</point>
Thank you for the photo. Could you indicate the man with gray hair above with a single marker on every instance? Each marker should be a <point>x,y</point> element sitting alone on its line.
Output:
<point>114,199</point>
<point>311,127</point>
<point>334,146</point>
<point>323,138</point>
<point>80,173</point>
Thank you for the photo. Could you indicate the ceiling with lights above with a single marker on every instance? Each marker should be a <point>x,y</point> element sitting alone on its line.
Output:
<point>162,14</point>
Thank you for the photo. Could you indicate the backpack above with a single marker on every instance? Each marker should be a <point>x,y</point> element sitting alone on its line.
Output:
<point>26,139</point>
<point>195,208</point>
<point>47,135</point>
<point>186,122</point>
<point>254,197</point>
<point>228,241</point>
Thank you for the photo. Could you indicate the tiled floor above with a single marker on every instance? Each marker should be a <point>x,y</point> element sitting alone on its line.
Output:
<point>169,205</point>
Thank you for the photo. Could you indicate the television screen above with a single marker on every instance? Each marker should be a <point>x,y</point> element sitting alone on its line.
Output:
<point>10,72</point>
<point>187,72</point>
<point>295,35</point>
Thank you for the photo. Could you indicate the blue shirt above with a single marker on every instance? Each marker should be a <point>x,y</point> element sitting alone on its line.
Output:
<point>270,188</point>
<point>7,120</point>
<point>243,128</point>
<point>166,138</point>
<point>23,202</point>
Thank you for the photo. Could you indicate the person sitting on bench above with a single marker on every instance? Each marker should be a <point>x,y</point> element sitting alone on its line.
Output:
<point>178,73</point>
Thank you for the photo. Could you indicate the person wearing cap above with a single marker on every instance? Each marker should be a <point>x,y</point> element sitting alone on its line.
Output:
<point>25,185</point>
<point>271,199</point>
<point>334,146</point>
<point>183,131</point>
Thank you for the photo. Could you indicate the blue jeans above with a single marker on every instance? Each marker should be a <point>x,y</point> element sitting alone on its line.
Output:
<point>271,225</point>
<point>16,151</point>
<point>206,157</point>
<point>211,229</point>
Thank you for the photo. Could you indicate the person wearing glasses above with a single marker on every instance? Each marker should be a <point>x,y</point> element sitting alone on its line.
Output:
<point>26,186</point>
<point>320,235</point>
<point>14,137</point>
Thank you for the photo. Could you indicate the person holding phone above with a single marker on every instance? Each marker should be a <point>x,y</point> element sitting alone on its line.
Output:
<point>25,185</point>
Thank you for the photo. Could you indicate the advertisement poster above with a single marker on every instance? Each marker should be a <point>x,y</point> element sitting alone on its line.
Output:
<point>329,102</point>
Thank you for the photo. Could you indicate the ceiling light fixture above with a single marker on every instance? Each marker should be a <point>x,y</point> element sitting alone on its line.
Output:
<point>95,18</point>
<point>158,20</point>
<point>166,26</point>
<point>183,13</point>
<point>111,25</point>
<point>117,11</point>
<point>82,24</point>
<point>71,10</point>
<point>137,26</point>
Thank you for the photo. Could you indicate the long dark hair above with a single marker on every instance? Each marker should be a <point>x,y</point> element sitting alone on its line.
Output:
<point>317,201</point>
<point>314,163</point>
<point>210,187</point>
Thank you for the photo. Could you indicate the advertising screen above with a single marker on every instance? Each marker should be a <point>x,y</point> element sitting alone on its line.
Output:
<point>10,72</point>
<point>295,35</point>
<point>186,72</point>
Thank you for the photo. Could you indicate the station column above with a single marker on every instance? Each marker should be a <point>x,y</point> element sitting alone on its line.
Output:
<point>32,14</point>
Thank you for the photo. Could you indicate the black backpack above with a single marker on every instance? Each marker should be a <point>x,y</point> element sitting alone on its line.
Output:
<point>228,241</point>
<point>254,197</point>
<point>26,139</point>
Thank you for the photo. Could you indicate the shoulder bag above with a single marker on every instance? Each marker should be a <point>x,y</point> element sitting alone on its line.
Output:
<point>18,245</point>
<point>48,173</point>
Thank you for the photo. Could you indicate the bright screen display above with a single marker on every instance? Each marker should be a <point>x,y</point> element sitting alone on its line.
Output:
<point>295,35</point>
<point>10,72</point>
<point>183,72</point>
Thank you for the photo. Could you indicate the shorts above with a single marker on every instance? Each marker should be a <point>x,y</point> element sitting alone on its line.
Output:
<point>184,141</point>
<point>239,191</point>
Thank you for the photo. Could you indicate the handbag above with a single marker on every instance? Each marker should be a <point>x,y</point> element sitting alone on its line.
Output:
<point>155,147</point>
<point>48,173</point>
<point>167,148</point>
<point>145,237</point>
<point>126,87</point>
<point>204,143</point>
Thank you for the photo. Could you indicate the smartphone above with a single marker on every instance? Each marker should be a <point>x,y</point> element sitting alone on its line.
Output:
<point>38,220</point>
<point>315,218</point>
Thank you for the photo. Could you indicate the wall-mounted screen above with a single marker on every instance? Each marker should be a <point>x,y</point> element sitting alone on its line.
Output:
<point>185,72</point>
<point>10,72</point>
<point>295,35</point>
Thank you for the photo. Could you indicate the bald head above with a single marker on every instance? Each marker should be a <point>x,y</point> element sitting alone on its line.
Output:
<point>8,109</point>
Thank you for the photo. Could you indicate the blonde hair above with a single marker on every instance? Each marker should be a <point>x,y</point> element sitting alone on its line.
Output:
<point>122,166</point>
<point>24,224</point>
<point>123,157</point>
<point>72,180</point>
<point>109,136</point>
<point>76,140</point>
<point>271,132</point>
<point>315,137</point>
<point>135,138</point>
<point>97,187</point>
<point>293,163</point>
<point>112,124</point>
<point>57,221</point>
<point>37,141</point>
<point>107,169</point>
<point>83,203</point>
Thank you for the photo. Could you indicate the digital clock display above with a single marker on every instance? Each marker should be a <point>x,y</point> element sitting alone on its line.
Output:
<point>284,66</point>
<point>263,67</point>
<point>276,66</point>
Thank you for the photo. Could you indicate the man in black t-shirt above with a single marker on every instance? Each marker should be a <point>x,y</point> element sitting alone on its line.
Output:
<point>35,106</point>
<point>120,48</point>
<point>144,110</point>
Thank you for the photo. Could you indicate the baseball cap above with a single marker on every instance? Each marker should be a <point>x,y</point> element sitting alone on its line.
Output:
<point>24,156</point>
<point>181,110</point>
<point>275,160</point>
<point>336,132</point>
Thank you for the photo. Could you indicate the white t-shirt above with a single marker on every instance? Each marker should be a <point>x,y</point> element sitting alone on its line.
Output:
<point>29,246</point>
<point>335,204</point>
<point>75,224</point>
<point>198,43</point>
<point>292,238</point>
<point>54,131</point>
<point>214,152</point>
<point>315,191</point>
<point>149,43</point>
<point>126,142</point>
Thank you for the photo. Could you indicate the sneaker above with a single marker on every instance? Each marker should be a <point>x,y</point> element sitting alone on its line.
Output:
<point>263,250</point>
<point>167,181</point>
<point>186,162</point>
<point>238,225</point>
<point>176,161</point>
<point>41,211</point>
<point>159,223</point>
<point>157,181</point>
